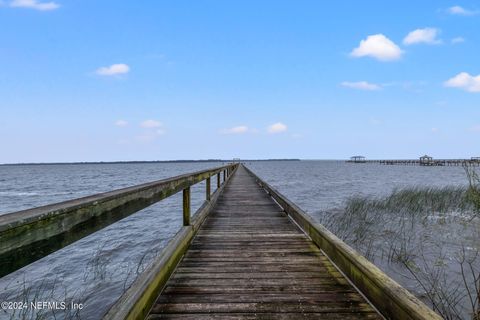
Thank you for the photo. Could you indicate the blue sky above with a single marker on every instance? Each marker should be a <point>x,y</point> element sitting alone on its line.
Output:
<point>110,80</point>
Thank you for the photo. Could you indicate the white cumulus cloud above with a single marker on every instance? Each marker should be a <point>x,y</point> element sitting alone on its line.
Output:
<point>379,47</point>
<point>464,81</point>
<point>361,85</point>
<point>426,35</point>
<point>236,130</point>
<point>151,124</point>
<point>114,69</point>
<point>457,10</point>
<point>34,4</point>
<point>277,128</point>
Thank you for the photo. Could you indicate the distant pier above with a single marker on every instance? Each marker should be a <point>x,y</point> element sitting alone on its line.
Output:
<point>422,161</point>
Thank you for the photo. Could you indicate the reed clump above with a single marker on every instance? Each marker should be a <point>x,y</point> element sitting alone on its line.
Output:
<point>473,192</point>
<point>415,200</point>
<point>425,237</point>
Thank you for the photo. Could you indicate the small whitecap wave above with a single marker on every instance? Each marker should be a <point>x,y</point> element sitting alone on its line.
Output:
<point>18,194</point>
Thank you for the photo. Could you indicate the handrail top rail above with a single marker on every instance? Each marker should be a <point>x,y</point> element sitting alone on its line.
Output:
<point>17,218</point>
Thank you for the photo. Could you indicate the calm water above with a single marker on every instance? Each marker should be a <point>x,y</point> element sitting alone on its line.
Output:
<point>96,270</point>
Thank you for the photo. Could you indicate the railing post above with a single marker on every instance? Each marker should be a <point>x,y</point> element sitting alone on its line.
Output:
<point>208,189</point>
<point>224,175</point>
<point>186,206</point>
<point>218,180</point>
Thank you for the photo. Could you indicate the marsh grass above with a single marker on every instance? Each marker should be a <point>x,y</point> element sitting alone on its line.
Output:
<point>48,291</point>
<point>415,201</point>
<point>473,192</point>
<point>417,234</point>
<point>97,267</point>
<point>99,273</point>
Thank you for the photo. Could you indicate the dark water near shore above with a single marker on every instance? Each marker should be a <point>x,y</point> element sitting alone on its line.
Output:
<point>95,270</point>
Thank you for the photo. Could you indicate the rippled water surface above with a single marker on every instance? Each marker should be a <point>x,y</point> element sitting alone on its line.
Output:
<point>319,185</point>
<point>97,269</point>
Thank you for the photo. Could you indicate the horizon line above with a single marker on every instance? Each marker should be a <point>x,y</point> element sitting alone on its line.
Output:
<point>200,160</point>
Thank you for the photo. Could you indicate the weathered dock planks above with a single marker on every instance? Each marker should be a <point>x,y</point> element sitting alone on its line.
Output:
<point>249,261</point>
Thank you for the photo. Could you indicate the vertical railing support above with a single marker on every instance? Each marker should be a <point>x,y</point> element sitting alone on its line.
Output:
<point>186,206</point>
<point>208,189</point>
<point>224,175</point>
<point>218,180</point>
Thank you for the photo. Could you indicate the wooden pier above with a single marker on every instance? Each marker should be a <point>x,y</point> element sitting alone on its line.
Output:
<point>247,253</point>
<point>249,260</point>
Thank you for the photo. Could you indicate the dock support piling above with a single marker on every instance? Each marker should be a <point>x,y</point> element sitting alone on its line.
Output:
<point>208,189</point>
<point>186,206</point>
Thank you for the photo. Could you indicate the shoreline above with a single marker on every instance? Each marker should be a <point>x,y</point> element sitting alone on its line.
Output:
<point>139,162</point>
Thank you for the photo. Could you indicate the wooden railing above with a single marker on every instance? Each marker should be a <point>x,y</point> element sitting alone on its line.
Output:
<point>28,235</point>
<point>391,299</point>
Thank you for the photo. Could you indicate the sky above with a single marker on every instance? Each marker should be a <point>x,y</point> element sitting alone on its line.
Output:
<point>112,80</point>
